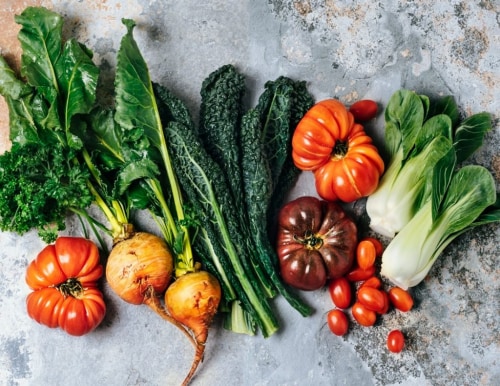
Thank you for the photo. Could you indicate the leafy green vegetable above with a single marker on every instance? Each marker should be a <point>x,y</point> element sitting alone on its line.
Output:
<point>46,119</point>
<point>468,200</point>
<point>418,134</point>
<point>38,186</point>
<point>201,176</point>
<point>265,145</point>
<point>135,149</point>
<point>220,117</point>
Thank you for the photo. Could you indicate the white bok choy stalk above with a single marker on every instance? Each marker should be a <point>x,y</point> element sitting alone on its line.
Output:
<point>418,133</point>
<point>460,200</point>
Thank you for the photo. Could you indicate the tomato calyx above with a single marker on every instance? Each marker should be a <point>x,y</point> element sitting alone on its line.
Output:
<point>71,287</point>
<point>310,240</point>
<point>340,149</point>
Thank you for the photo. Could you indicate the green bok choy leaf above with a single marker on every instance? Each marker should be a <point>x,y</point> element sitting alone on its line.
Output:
<point>418,134</point>
<point>464,199</point>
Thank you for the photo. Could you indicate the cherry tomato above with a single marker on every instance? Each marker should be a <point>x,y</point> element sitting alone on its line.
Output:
<point>395,341</point>
<point>387,304</point>
<point>401,299</point>
<point>379,248</point>
<point>363,315</point>
<point>371,298</point>
<point>337,322</point>
<point>373,282</point>
<point>359,274</point>
<point>366,254</point>
<point>364,110</point>
<point>340,292</point>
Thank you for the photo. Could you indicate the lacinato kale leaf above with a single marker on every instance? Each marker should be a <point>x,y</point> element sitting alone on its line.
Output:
<point>220,117</point>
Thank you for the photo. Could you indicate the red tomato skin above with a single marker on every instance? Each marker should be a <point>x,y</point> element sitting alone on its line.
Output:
<point>65,294</point>
<point>387,304</point>
<point>363,315</point>
<point>358,274</point>
<point>340,292</point>
<point>337,322</point>
<point>366,254</point>
<point>373,282</point>
<point>345,162</point>
<point>379,248</point>
<point>395,341</point>
<point>364,110</point>
<point>371,298</point>
<point>401,299</point>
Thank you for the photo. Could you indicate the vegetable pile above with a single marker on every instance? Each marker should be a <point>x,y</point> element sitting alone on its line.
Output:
<point>214,206</point>
<point>226,241</point>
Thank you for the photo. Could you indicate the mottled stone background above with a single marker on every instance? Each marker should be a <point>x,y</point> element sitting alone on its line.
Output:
<point>343,49</point>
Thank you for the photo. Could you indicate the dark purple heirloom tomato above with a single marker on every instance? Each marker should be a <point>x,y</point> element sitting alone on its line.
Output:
<point>316,242</point>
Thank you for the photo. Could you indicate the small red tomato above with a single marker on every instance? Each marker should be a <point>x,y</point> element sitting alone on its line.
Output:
<point>373,282</point>
<point>401,299</point>
<point>379,248</point>
<point>363,315</point>
<point>387,304</point>
<point>340,292</point>
<point>365,254</point>
<point>337,322</point>
<point>359,274</point>
<point>371,298</point>
<point>364,110</point>
<point>395,341</point>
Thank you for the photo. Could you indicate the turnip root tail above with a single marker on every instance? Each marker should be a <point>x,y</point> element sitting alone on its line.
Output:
<point>154,303</point>
<point>193,300</point>
<point>198,358</point>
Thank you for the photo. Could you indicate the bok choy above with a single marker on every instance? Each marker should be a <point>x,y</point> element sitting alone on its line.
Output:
<point>468,199</point>
<point>418,134</point>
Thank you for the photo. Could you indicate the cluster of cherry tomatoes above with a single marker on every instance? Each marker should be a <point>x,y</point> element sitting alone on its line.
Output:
<point>362,291</point>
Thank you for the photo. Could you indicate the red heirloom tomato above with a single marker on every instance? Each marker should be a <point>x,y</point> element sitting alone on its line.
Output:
<point>345,162</point>
<point>316,242</point>
<point>64,278</point>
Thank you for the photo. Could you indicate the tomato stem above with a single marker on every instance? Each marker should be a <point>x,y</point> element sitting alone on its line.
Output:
<point>340,149</point>
<point>71,287</point>
<point>310,240</point>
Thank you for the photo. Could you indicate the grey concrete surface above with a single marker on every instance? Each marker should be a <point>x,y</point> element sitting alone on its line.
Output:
<point>343,49</point>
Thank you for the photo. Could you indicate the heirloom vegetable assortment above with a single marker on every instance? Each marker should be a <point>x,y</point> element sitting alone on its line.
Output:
<point>227,241</point>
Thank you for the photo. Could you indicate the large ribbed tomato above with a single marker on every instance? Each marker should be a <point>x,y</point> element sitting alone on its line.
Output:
<point>345,162</point>
<point>64,279</point>
<point>316,241</point>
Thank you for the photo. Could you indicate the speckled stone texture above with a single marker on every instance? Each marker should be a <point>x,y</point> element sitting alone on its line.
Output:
<point>343,49</point>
